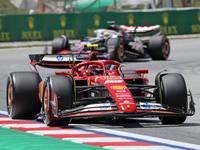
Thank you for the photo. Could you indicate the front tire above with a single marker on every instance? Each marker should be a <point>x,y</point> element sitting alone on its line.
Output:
<point>116,46</point>
<point>174,94</point>
<point>22,95</point>
<point>63,88</point>
<point>159,47</point>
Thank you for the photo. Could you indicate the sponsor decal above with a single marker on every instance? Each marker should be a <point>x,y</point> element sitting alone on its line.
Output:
<point>63,21</point>
<point>94,83</point>
<point>137,45</point>
<point>91,32</point>
<point>198,15</point>
<point>146,105</point>
<point>118,87</point>
<point>59,57</point>
<point>165,18</point>
<point>123,96</point>
<point>169,30</point>
<point>0,23</point>
<point>121,91</point>
<point>96,20</point>
<point>126,102</point>
<point>130,19</point>
<point>113,81</point>
<point>31,22</point>
<point>104,107</point>
<point>68,33</point>
<point>111,48</point>
<point>108,78</point>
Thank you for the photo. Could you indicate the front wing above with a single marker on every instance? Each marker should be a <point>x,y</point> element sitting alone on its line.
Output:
<point>111,110</point>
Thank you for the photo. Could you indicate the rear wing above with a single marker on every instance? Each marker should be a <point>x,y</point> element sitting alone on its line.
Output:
<point>64,60</point>
<point>57,60</point>
<point>141,29</point>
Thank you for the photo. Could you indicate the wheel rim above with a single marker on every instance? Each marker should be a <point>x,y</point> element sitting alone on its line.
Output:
<point>45,101</point>
<point>166,48</point>
<point>9,99</point>
<point>121,50</point>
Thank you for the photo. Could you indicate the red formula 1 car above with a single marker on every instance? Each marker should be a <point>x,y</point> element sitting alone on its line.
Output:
<point>118,43</point>
<point>95,88</point>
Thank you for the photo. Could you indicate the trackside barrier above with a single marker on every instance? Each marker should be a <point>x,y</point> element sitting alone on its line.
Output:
<point>47,26</point>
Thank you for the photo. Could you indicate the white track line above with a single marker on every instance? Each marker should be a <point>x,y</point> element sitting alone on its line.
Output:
<point>100,139</point>
<point>3,112</point>
<point>42,132</point>
<point>23,125</point>
<point>140,148</point>
<point>147,138</point>
<point>6,119</point>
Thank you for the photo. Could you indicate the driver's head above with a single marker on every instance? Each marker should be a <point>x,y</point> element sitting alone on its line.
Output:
<point>95,70</point>
<point>113,27</point>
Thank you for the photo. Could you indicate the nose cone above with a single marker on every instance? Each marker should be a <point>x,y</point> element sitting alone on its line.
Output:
<point>122,97</point>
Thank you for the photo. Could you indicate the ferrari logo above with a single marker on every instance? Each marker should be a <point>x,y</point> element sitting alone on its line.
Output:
<point>63,20</point>
<point>198,15</point>
<point>165,18</point>
<point>130,19</point>
<point>97,20</point>
<point>31,22</point>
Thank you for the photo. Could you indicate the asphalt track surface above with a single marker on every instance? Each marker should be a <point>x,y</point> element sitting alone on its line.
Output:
<point>184,59</point>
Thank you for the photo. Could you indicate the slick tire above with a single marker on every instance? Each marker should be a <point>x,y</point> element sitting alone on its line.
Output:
<point>22,95</point>
<point>118,49</point>
<point>174,94</point>
<point>159,47</point>
<point>59,44</point>
<point>62,87</point>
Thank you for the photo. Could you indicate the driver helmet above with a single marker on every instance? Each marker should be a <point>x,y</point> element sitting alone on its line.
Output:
<point>113,27</point>
<point>95,70</point>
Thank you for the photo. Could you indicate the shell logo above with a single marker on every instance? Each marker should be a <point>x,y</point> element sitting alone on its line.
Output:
<point>118,87</point>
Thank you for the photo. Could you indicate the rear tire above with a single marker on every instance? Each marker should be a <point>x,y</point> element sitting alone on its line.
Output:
<point>63,88</point>
<point>59,44</point>
<point>22,95</point>
<point>159,47</point>
<point>118,45</point>
<point>174,94</point>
